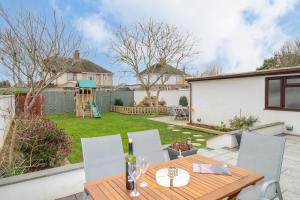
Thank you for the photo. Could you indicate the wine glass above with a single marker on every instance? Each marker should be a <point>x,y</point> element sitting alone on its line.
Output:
<point>144,165</point>
<point>135,172</point>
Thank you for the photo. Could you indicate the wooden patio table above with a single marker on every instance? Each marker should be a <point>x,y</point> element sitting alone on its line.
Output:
<point>201,186</point>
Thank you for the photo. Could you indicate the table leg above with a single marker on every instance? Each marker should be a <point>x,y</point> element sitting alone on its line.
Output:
<point>233,197</point>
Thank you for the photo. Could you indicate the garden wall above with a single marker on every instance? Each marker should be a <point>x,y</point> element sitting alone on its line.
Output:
<point>171,97</point>
<point>228,139</point>
<point>47,184</point>
<point>59,102</point>
<point>7,111</point>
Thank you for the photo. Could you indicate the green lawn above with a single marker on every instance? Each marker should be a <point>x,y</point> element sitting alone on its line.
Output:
<point>114,123</point>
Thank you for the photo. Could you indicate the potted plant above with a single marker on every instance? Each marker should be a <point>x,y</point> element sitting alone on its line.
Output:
<point>181,149</point>
<point>243,124</point>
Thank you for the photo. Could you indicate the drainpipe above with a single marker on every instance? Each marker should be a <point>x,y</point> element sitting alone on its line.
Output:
<point>190,110</point>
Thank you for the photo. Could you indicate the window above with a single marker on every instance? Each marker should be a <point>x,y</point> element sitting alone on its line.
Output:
<point>283,93</point>
<point>71,76</point>
<point>91,76</point>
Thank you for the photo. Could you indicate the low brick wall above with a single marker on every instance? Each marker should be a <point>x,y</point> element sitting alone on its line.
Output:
<point>139,110</point>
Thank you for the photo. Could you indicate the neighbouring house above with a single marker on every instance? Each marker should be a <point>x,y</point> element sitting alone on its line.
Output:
<point>175,87</point>
<point>176,77</point>
<point>271,95</point>
<point>83,69</point>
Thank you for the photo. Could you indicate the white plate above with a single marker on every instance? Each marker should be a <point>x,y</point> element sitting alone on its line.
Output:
<point>181,180</point>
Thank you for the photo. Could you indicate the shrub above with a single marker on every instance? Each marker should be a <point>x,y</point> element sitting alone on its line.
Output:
<point>242,122</point>
<point>118,102</point>
<point>183,101</point>
<point>221,127</point>
<point>36,144</point>
<point>162,103</point>
<point>145,102</point>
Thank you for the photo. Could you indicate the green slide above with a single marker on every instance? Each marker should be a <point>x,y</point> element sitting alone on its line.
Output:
<point>96,112</point>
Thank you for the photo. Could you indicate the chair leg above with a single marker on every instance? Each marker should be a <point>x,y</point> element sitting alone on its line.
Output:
<point>278,190</point>
<point>85,196</point>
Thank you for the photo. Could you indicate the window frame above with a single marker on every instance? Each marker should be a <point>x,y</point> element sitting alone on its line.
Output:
<point>74,76</point>
<point>283,86</point>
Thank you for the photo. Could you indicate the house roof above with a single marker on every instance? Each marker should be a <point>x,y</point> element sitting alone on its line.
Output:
<point>86,84</point>
<point>79,66</point>
<point>278,71</point>
<point>169,68</point>
<point>84,65</point>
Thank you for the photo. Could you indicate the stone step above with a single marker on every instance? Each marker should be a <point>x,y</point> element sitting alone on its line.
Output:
<point>196,144</point>
<point>198,136</point>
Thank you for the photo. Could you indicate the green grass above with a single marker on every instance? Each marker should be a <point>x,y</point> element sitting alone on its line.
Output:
<point>114,123</point>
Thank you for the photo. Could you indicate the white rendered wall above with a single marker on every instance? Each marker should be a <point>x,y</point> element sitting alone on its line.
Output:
<point>7,110</point>
<point>45,188</point>
<point>220,100</point>
<point>171,97</point>
<point>172,79</point>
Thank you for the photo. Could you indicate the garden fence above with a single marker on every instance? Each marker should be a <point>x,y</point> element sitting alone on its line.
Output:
<point>139,110</point>
<point>59,102</point>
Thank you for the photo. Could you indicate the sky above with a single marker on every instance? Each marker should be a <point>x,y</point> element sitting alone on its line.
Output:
<point>234,34</point>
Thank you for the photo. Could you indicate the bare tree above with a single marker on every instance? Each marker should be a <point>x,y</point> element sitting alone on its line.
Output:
<point>144,47</point>
<point>35,49</point>
<point>212,70</point>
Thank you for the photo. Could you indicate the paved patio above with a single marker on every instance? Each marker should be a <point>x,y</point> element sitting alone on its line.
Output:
<point>290,176</point>
<point>169,120</point>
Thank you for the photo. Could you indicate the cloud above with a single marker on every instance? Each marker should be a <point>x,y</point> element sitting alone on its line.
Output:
<point>237,34</point>
<point>95,30</point>
<point>60,10</point>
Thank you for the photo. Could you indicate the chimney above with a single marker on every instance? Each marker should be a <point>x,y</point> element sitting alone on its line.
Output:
<point>76,55</point>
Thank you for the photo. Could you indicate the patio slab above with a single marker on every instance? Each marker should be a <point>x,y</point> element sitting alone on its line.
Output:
<point>169,120</point>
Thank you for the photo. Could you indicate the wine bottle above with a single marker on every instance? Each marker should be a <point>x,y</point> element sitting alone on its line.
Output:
<point>130,160</point>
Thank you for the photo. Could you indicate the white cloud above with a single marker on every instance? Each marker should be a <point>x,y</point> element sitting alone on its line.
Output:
<point>96,30</point>
<point>60,10</point>
<point>221,27</point>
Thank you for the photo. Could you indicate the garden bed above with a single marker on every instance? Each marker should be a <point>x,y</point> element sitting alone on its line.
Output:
<point>216,128</point>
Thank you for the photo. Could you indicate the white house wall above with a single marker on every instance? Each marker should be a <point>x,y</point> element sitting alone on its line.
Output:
<point>219,100</point>
<point>172,80</point>
<point>171,97</point>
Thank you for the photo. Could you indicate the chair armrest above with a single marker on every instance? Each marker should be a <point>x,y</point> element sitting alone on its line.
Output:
<point>264,187</point>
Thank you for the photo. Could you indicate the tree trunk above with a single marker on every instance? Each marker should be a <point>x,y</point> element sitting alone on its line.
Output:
<point>157,100</point>
<point>149,98</point>
<point>29,103</point>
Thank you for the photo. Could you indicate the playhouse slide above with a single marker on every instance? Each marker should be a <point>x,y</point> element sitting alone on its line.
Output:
<point>95,110</point>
